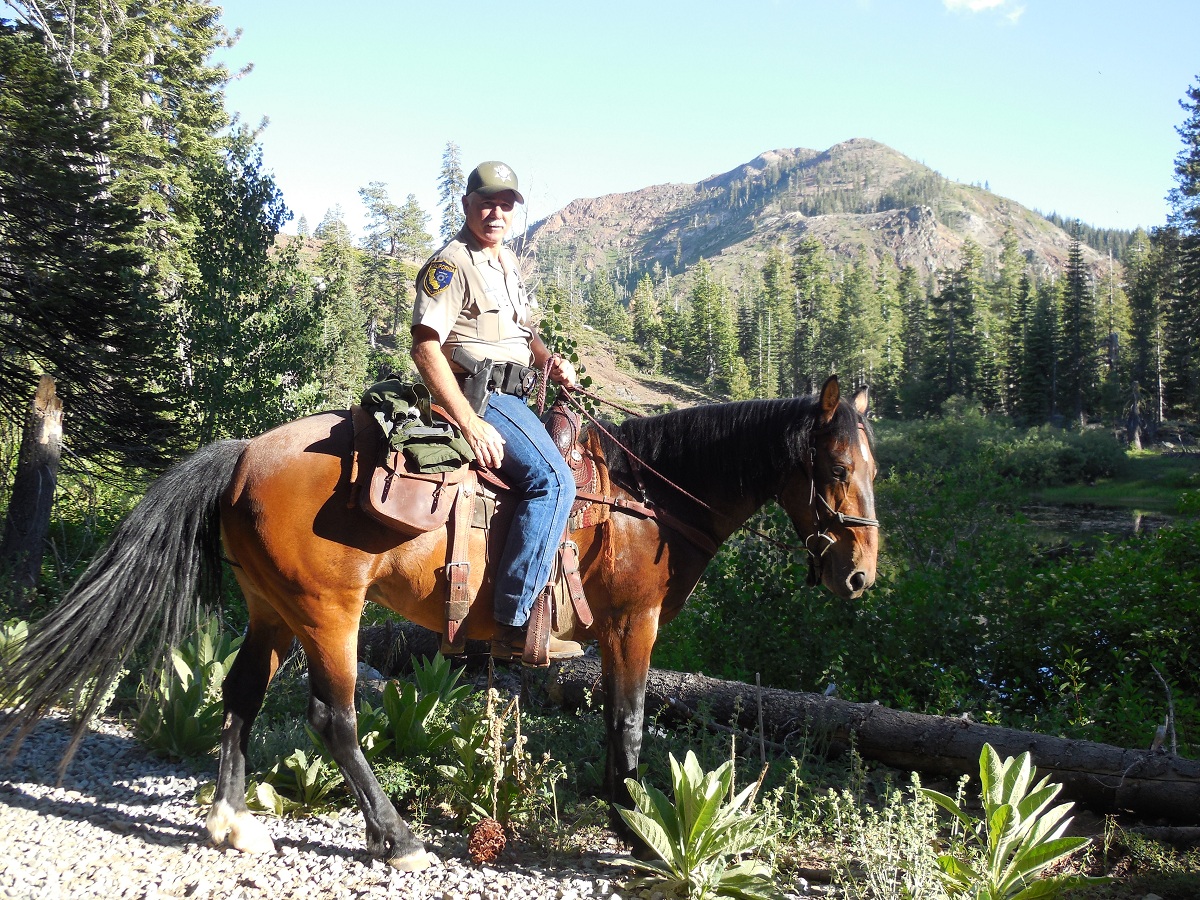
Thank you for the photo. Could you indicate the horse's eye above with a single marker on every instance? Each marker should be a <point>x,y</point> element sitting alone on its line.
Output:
<point>839,472</point>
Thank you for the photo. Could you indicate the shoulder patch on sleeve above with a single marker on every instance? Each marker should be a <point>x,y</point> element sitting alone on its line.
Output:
<point>438,277</point>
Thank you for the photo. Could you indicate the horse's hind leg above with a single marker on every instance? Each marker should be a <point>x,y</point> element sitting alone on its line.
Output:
<point>332,669</point>
<point>267,641</point>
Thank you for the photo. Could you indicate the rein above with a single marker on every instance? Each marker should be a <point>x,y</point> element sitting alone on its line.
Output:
<point>687,530</point>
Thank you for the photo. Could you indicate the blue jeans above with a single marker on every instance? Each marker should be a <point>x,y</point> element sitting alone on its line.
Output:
<point>545,489</point>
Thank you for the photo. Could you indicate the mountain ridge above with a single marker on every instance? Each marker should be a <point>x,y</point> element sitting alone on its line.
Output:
<point>857,196</point>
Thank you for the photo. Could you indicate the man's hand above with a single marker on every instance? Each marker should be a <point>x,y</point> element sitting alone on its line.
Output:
<point>562,372</point>
<point>485,441</point>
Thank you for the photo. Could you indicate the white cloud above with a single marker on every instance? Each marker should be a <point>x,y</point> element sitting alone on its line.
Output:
<point>1010,9</point>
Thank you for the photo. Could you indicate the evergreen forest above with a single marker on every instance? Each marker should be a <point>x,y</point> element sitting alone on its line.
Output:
<point>144,266</point>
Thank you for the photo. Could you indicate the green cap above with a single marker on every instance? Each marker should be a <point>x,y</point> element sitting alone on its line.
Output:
<point>492,177</point>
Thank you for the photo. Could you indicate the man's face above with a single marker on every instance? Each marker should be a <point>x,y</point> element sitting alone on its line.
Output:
<point>489,217</point>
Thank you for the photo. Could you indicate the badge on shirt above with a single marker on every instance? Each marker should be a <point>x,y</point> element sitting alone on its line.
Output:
<point>438,276</point>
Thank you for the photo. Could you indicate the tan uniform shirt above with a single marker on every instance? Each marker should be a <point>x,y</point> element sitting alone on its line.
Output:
<point>474,301</point>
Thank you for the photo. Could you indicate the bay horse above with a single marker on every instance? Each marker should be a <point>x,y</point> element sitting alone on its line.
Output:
<point>307,561</point>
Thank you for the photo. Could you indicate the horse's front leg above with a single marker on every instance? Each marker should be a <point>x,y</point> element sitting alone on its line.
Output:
<point>625,663</point>
<point>332,670</point>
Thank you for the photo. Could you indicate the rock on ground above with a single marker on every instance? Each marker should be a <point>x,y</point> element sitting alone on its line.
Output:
<point>125,824</point>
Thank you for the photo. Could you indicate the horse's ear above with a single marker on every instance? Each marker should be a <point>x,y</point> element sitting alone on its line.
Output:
<point>861,399</point>
<point>831,394</point>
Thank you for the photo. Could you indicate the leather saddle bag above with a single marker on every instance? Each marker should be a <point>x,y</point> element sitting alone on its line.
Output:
<point>411,502</point>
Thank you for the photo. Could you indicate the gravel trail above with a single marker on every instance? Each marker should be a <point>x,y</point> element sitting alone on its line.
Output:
<point>124,824</point>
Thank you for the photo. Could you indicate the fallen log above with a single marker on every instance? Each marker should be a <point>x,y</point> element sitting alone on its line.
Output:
<point>1151,784</point>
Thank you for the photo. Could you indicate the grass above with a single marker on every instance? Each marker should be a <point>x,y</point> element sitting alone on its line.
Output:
<point>1153,482</point>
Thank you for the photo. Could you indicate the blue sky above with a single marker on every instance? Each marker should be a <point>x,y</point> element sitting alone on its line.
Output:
<point>1062,105</point>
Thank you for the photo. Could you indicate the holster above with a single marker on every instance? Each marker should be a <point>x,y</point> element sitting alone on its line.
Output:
<point>476,384</point>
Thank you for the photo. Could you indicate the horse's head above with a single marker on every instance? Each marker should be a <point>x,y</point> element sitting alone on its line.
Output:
<point>831,499</point>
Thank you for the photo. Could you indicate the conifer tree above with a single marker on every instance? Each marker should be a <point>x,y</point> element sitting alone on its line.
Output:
<point>146,71</point>
<point>68,299</point>
<point>711,342</point>
<point>605,312</point>
<point>815,344</point>
<point>952,353</point>
<point>1009,310</point>
<point>646,322</point>
<point>1037,385</point>
<point>772,317</point>
<point>249,334</point>
<point>885,382</point>
<point>343,356</point>
<point>452,184</point>
<point>860,329</point>
<point>1079,348</point>
<point>914,395</point>
<point>1143,264</point>
<point>1181,244</point>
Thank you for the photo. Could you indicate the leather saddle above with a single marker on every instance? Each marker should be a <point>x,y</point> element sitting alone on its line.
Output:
<point>411,503</point>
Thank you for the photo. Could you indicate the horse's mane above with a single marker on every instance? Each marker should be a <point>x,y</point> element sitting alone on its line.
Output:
<point>748,445</point>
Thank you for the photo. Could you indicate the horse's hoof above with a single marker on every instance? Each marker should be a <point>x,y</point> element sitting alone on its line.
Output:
<point>413,862</point>
<point>239,829</point>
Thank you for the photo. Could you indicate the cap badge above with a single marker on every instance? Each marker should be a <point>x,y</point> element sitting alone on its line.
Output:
<point>504,173</point>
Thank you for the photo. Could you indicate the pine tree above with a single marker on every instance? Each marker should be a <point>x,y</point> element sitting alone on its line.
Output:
<point>1037,385</point>
<point>145,69</point>
<point>452,184</point>
<point>343,357</point>
<point>860,328</point>
<point>815,343</point>
<point>711,342</point>
<point>773,318</point>
<point>646,322</point>
<point>1143,264</point>
<point>1181,284</point>
<point>394,244</point>
<point>1009,293</point>
<point>1079,349</point>
<point>249,334</point>
<point>915,397</point>
<point>605,312</point>
<point>69,305</point>
<point>885,382</point>
<point>953,351</point>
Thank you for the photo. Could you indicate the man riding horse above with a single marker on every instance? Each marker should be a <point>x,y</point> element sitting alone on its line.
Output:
<point>473,341</point>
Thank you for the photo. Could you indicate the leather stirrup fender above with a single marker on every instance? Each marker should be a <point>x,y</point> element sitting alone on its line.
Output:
<point>568,553</point>
<point>537,636</point>
<point>458,568</point>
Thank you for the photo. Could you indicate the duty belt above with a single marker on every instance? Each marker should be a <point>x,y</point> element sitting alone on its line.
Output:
<point>508,378</point>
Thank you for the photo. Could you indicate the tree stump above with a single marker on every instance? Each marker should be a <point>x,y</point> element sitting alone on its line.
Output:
<point>27,521</point>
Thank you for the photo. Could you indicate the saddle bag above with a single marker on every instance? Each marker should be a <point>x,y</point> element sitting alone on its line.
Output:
<point>411,502</point>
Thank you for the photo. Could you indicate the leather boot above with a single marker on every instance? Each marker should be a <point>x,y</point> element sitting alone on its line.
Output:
<point>508,642</point>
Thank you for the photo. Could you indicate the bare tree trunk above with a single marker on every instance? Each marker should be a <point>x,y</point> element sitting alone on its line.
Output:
<point>28,519</point>
<point>1099,776</point>
<point>1133,425</point>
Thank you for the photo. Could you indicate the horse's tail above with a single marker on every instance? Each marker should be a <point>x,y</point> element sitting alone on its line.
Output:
<point>161,564</point>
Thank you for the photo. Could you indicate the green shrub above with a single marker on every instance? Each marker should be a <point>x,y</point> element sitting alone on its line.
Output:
<point>493,775</point>
<point>181,710</point>
<point>699,836</point>
<point>1018,838</point>
<point>416,713</point>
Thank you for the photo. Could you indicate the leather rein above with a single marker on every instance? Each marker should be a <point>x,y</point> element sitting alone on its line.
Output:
<point>646,509</point>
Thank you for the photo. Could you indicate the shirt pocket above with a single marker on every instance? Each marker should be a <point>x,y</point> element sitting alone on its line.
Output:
<point>487,319</point>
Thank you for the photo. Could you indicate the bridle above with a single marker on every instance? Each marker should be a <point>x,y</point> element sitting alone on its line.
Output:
<point>818,543</point>
<point>824,540</point>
